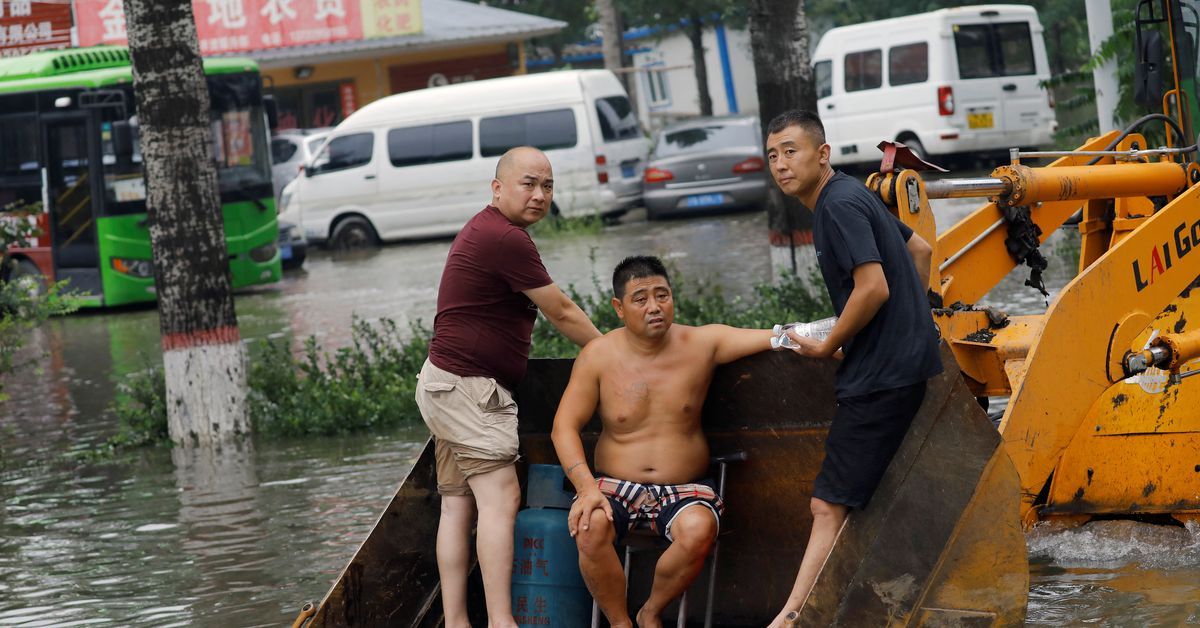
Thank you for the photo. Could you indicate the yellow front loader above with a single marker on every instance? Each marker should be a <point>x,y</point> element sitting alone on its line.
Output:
<point>1103,417</point>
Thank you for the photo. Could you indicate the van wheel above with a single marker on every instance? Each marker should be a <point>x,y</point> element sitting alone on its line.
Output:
<point>915,146</point>
<point>353,233</point>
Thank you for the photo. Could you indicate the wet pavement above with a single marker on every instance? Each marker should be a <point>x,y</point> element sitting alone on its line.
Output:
<point>244,539</point>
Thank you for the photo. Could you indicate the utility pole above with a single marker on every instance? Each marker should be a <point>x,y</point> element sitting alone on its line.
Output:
<point>1100,28</point>
<point>203,357</point>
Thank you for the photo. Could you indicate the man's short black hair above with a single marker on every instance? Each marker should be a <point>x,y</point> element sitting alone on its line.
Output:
<point>637,267</point>
<point>808,121</point>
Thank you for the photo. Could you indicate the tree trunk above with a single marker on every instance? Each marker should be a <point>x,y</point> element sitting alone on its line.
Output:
<point>696,35</point>
<point>783,69</point>
<point>203,356</point>
<point>610,30</point>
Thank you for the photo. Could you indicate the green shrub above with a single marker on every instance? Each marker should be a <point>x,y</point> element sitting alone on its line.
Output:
<point>369,384</point>
<point>558,226</point>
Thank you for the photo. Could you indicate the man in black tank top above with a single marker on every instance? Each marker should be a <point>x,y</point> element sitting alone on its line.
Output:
<point>876,270</point>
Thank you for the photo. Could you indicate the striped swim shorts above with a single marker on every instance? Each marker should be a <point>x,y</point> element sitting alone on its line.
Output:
<point>656,505</point>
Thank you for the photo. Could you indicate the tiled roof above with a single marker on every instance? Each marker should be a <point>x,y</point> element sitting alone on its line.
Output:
<point>445,23</point>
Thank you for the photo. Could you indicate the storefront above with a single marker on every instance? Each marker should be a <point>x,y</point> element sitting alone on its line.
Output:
<point>324,59</point>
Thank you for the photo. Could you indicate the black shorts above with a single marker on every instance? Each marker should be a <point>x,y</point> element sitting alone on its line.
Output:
<point>866,432</point>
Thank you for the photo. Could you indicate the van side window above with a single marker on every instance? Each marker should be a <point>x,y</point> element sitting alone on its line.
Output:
<point>346,151</point>
<point>429,144</point>
<point>823,77</point>
<point>546,130</point>
<point>908,64</point>
<point>617,121</point>
<point>988,50</point>
<point>864,70</point>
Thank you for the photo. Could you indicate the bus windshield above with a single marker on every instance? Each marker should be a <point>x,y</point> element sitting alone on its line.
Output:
<point>239,148</point>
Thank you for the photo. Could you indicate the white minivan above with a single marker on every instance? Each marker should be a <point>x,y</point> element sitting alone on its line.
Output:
<point>420,164</point>
<point>967,80</point>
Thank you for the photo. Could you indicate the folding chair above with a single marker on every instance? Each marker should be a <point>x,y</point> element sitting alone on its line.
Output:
<point>640,538</point>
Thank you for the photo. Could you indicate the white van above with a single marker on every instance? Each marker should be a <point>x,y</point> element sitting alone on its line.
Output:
<point>966,80</point>
<point>420,164</point>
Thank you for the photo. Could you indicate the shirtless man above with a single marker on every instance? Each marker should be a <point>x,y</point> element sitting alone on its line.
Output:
<point>649,380</point>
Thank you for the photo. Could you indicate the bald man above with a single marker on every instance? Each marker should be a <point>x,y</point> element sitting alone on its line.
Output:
<point>492,287</point>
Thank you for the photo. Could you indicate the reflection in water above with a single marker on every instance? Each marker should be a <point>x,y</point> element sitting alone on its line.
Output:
<point>247,537</point>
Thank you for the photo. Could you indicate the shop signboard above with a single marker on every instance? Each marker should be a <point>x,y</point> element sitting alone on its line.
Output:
<point>228,26</point>
<point>26,26</point>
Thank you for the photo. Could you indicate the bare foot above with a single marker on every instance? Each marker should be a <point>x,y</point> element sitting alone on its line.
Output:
<point>648,619</point>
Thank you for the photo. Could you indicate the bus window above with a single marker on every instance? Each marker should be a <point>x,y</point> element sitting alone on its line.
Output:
<point>124,185</point>
<point>240,135</point>
<point>20,170</point>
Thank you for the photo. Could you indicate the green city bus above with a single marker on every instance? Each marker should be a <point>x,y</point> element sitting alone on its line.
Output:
<point>69,145</point>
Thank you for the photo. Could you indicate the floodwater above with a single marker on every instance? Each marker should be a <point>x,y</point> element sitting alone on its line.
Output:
<point>245,538</point>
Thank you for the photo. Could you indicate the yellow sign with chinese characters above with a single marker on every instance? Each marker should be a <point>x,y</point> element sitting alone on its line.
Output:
<point>389,18</point>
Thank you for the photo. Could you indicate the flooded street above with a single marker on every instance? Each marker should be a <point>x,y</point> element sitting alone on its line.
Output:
<point>245,539</point>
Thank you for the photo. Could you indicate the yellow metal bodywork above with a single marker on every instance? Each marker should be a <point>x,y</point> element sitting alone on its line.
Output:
<point>1085,439</point>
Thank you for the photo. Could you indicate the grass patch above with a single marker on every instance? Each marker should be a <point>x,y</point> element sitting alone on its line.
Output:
<point>561,226</point>
<point>371,384</point>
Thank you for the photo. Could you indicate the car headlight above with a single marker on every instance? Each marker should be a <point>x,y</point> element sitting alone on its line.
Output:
<point>141,268</point>
<point>285,200</point>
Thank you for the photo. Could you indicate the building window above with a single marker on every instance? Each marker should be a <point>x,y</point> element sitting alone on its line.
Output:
<point>864,70</point>
<point>658,92</point>
<point>908,64</point>
<point>311,106</point>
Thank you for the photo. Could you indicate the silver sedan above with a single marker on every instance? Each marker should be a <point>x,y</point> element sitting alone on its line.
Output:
<point>705,164</point>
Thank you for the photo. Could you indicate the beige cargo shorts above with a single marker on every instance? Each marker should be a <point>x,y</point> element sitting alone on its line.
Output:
<point>474,425</point>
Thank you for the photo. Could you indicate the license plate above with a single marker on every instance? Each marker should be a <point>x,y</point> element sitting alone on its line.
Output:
<point>629,171</point>
<point>704,200</point>
<point>285,252</point>
<point>980,120</point>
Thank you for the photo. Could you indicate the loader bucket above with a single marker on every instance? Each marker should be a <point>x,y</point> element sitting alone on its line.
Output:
<point>940,543</point>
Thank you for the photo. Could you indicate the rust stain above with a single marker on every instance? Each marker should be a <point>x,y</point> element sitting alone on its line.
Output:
<point>1119,400</point>
<point>1148,489</point>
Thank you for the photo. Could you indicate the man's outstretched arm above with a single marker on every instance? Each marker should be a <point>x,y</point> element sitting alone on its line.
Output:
<point>575,409</point>
<point>869,294</point>
<point>564,314</point>
<point>732,343</point>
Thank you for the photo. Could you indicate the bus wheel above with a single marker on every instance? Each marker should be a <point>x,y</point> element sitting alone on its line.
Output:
<point>353,233</point>
<point>26,272</point>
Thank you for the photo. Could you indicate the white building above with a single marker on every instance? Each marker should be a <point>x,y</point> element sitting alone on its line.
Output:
<point>666,87</point>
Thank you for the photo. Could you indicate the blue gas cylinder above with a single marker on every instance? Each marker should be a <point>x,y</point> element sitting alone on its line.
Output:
<point>547,588</point>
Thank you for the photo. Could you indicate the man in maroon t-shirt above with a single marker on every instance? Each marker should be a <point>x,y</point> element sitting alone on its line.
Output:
<point>493,285</point>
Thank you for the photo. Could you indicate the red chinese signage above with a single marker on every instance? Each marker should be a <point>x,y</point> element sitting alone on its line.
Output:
<point>237,25</point>
<point>26,26</point>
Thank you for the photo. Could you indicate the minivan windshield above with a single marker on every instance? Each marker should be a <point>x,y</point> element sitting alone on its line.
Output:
<point>708,137</point>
